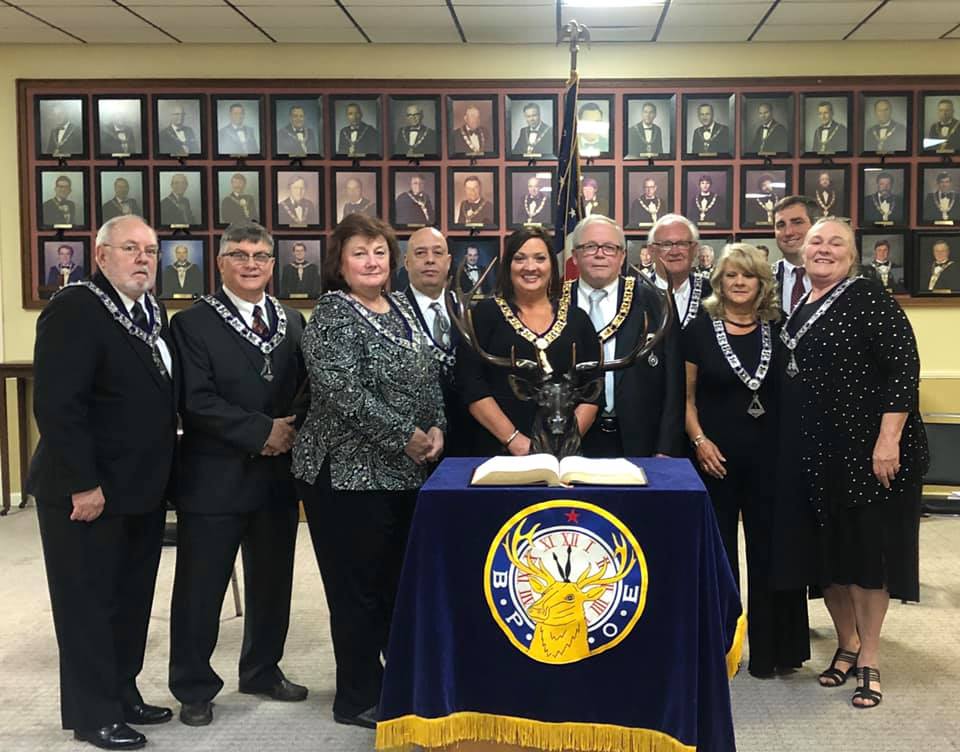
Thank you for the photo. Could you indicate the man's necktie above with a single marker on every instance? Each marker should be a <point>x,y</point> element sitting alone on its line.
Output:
<point>441,325</point>
<point>797,292</point>
<point>139,316</point>
<point>596,318</point>
<point>259,327</point>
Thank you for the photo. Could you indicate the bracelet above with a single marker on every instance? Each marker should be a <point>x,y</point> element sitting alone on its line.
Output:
<point>514,435</point>
<point>698,440</point>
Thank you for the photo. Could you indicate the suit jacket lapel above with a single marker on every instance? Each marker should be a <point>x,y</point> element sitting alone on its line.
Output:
<point>423,322</point>
<point>250,352</point>
<point>629,330</point>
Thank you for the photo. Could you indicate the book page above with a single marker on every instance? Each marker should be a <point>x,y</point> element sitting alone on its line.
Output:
<point>618,471</point>
<point>532,468</point>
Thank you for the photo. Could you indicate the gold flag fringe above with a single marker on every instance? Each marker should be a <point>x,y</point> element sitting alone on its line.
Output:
<point>736,649</point>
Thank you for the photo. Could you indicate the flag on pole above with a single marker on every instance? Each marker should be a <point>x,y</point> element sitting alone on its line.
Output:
<point>569,208</point>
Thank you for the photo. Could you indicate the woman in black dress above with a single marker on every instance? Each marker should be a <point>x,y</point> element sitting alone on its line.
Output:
<point>731,421</point>
<point>532,313</point>
<point>853,453</point>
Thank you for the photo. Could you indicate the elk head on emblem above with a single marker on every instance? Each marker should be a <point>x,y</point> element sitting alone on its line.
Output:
<point>560,635</point>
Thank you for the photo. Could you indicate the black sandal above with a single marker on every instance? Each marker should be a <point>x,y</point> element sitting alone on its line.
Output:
<point>835,676</point>
<point>866,674</point>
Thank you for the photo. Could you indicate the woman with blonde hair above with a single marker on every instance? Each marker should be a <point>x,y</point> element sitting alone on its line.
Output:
<point>731,420</point>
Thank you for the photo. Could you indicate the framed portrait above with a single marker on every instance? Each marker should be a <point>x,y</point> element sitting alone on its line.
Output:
<point>239,125</point>
<point>708,125</point>
<point>119,125</point>
<point>941,128</point>
<point>472,197</point>
<point>414,126</point>
<point>478,253</point>
<point>639,256</point>
<point>598,191</point>
<point>766,125</point>
<point>62,198</point>
<point>936,264</point>
<point>594,130</point>
<point>298,197</point>
<point>709,251</point>
<point>183,268</point>
<point>401,278</point>
<point>472,120</point>
<point>61,261</point>
<point>827,186</point>
<point>706,196</point>
<point>530,197</point>
<point>760,190</point>
<point>121,192</point>
<point>939,198</point>
<point>239,195</point>
<point>180,193</point>
<point>647,194</point>
<point>886,123</point>
<point>356,126</point>
<point>60,126</point>
<point>297,126</point>
<point>825,122</point>
<point>884,195</point>
<point>179,127</point>
<point>356,191</point>
<point>297,272</point>
<point>414,197</point>
<point>649,123</point>
<point>530,126</point>
<point>883,258</point>
<point>765,243</point>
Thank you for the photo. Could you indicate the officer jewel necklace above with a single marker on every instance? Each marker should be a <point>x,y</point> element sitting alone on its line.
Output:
<point>265,346</point>
<point>693,305</point>
<point>753,382</point>
<point>540,342</point>
<point>791,342</point>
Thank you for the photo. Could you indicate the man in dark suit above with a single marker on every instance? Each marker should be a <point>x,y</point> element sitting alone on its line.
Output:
<point>239,206</point>
<point>945,133</point>
<point>471,138</point>
<point>296,138</point>
<point>106,409</point>
<point>649,395</point>
<point>648,208</point>
<point>356,202</point>
<point>182,277</point>
<point>886,134</point>
<point>645,138</point>
<point>66,270</point>
<point>301,278</point>
<point>178,139</point>
<point>770,137</point>
<point>357,138</point>
<point>60,210</point>
<point>707,207</point>
<point>414,207</point>
<point>121,204</point>
<point>883,270</point>
<point>117,137</point>
<point>242,370</point>
<point>710,137</point>
<point>534,208</point>
<point>942,205</point>
<point>674,240</point>
<point>883,206</point>
<point>415,138</point>
<point>474,210</point>
<point>470,275</point>
<point>593,203</point>
<point>792,218</point>
<point>944,272</point>
<point>175,209</point>
<point>235,137</point>
<point>66,138</point>
<point>296,210</point>
<point>536,137</point>
<point>830,136</point>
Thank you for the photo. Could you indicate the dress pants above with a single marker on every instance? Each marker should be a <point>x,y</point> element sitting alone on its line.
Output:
<point>101,576</point>
<point>207,547</point>
<point>359,538</point>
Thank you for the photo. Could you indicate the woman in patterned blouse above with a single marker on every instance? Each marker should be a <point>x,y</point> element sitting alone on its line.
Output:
<point>374,429</point>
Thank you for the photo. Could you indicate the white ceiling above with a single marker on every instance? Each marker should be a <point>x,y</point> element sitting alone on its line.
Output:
<point>471,21</point>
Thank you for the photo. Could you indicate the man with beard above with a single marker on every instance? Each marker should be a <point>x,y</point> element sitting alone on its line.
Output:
<point>793,216</point>
<point>760,207</point>
<point>646,210</point>
<point>770,137</point>
<point>414,208</point>
<point>645,139</point>
<point>356,202</point>
<point>710,137</point>
<point>474,210</point>
<point>183,278</point>
<point>121,204</point>
<point>415,139</point>
<point>883,207</point>
<point>178,139</point>
<point>238,206</point>
<point>536,137</point>
<point>357,138</point>
<point>296,138</point>
<point>296,210</point>
<point>175,209</point>
<point>300,278</point>
<point>825,195</point>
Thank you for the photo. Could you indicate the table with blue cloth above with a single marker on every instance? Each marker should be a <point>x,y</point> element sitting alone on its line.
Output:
<point>583,618</point>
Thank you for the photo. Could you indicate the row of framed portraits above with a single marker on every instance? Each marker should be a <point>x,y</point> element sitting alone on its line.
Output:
<point>177,197</point>
<point>919,263</point>
<point>370,126</point>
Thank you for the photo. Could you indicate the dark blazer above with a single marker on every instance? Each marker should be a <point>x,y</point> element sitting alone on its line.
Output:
<point>543,146</point>
<point>227,409</point>
<point>931,212</point>
<point>53,275</point>
<point>173,212</point>
<point>288,143</point>
<point>110,142</point>
<point>291,284</point>
<point>637,144</point>
<point>368,140</point>
<point>410,213</point>
<point>170,144</point>
<point>776,139</point>
<point>107,416</point>
<point>872,214</point>
<point>894,277</point>
<point>287,211</point>
<point>192,281</point>
<point>838,141</point>
<point>649,400</point>
<point>719,142</point>
<point>232,211</point>
<point>52,215</point>
<point>229,142</point>
<point>72,141</point>
<point>896,137</point>
<point>949,278</point>
<point>953,140</point>
<point>426,141</point>
<point>639,214</point>
<point>112,209</point>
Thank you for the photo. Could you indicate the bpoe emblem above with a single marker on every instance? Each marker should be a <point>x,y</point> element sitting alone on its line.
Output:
<point>565,580</point>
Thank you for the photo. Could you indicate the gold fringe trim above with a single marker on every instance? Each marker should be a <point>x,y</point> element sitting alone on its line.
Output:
<point>400,733</point>
<point>736,649</point>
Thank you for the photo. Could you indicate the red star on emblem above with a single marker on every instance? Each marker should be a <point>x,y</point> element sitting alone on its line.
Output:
<point>573,516</point>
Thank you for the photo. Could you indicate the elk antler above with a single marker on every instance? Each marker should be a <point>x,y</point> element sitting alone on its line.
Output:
<point>586,580</point>
<point>534,570</point>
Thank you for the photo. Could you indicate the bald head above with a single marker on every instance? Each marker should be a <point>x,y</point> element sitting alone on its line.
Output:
<point>428,261</point>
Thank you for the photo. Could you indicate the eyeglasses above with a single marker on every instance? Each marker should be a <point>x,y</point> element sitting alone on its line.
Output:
<point>606,249</point>
<point>132,249</point>
<point>669,245</point>
<point>242,257</point>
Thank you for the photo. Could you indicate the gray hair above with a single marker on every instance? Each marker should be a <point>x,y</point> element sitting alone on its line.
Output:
<point>105,233</point>
<point>846,231</point>
<point>596,219</point>
<point>244,232</point>
<point>673,219</point>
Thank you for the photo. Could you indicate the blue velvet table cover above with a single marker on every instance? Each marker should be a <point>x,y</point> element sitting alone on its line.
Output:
<point>452,674</point>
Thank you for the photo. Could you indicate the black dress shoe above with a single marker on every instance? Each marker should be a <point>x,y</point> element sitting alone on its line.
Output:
<point>366,719</point>
<point>283,690</point>
<point>196,713</point>
<point>114,736</point>
<point>142,714</point>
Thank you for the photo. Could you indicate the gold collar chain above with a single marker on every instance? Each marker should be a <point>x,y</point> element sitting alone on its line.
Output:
<point>540,342</point>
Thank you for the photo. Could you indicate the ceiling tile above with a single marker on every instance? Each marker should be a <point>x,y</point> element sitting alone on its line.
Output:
<point>511,34</point>
<point>213,35</point>
<point>386,4</point>
<point>458,4</point>
<point>74,17</point>
<point>60,3</point>
<point>408,17</point>
<point>291,17</point>
<point>597,17</point>
<point>795,33</point>
<point>43,34</point>
<point>192,3</point>
<point>728,14</point>
<point>393,34</point>
<point>819,12</point>
<point>11,18</point>
<point>531,19</point>
<point>112,35</point>
<point>876,31</point>
<point>179,17</point>
<point>623,34</point>
<point>324,35</point>
<point>946,14</point>
<point>671,33</point>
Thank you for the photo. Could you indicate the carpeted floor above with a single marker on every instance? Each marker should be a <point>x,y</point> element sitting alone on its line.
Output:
<point>921,678</point>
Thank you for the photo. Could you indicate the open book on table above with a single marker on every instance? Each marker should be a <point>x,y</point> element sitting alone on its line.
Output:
<point>545,468</point>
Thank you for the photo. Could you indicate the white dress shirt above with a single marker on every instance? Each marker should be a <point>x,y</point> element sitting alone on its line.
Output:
<point>245,308</point>
<point>681,294</point>
<point>786,288</point>
<point>161,345</point>
<point>424,302</point>
<point>608,309</point>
